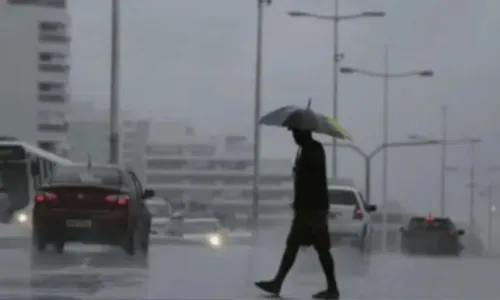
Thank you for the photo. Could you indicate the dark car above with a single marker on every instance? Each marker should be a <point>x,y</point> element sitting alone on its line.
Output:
<point>92,204</point>
<point>430,235</point>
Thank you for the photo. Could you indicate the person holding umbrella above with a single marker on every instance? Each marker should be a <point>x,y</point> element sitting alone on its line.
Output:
<point>310,205</point>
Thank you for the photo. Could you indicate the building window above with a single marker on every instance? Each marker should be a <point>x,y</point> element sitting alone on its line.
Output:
<point>53,127</point>
<point>128,146</point>
<point>201,150</point>
<point>47,3</point>
<point>54,92</point>
<point>54,62</point>
<point>52,32</point>
<point>52,98</point>
<point>52,121</point>
<point>164,150</point>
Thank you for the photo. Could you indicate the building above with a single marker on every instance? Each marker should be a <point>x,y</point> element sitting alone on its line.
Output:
<point>217,170</point>
<point>35,52</point>
<point>89,131</point>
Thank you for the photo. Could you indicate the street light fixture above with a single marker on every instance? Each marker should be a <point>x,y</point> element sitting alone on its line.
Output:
<point>386,75</point>
<point>337,56</point>
<point>368,156</point>
<point>445,168</point>
<point>295,13</point>
<point>374,14</point>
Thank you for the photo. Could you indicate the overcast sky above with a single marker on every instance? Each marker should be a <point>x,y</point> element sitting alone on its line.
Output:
<point>194,59</point>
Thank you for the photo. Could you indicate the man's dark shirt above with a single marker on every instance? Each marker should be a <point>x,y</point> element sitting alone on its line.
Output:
<point>310,180</point>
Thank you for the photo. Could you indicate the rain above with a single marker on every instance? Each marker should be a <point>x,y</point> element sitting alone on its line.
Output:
<point>173,93</point>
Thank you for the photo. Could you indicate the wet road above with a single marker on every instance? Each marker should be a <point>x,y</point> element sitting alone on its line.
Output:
<point>191,272</point>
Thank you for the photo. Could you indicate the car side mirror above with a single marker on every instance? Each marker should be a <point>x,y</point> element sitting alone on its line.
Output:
<point>148,193</point>
<point>460,232</point>
<point>371,208</point>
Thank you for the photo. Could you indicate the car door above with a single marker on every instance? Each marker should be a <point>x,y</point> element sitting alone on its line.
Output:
<point>141,204</point>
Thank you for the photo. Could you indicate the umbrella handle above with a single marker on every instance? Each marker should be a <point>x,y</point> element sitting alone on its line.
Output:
<point>309,103</point>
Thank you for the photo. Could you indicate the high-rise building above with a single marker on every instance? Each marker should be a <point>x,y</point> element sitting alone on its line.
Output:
<point>34,67</point>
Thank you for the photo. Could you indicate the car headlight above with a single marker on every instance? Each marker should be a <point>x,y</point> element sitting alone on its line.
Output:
<point>22,218</point>
<point>215,240</point>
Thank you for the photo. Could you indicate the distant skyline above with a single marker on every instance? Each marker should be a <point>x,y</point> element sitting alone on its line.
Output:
<point>195,60</point>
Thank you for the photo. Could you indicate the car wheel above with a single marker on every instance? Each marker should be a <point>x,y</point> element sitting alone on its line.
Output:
<point>59,247</point>
<point>39,242</point>
<point>129,245</point>
<point>145,240</point>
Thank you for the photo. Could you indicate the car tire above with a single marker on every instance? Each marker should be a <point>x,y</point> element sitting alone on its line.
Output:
<point>129,245</point>
<point>59,247</point>
<point>145,240</point>
<point>39,242</point>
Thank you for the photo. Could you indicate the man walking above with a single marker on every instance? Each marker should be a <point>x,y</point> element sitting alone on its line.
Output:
<point>310,222</point>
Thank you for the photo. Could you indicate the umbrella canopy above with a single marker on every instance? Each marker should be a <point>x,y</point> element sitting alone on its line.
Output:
<point>305,119</point>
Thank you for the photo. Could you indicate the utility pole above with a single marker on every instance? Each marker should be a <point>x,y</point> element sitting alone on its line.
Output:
<point>335,81</point>
<point>490,215</point>
<point>472,184</point>
<point>114,118</point>
<point>444,138</point>
<point>257,112</point>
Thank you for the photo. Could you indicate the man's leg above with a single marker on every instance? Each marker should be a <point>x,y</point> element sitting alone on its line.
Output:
<point>287,260</point>
<point>322,247</point>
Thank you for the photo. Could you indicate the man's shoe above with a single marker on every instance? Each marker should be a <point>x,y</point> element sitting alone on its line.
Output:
<point>271,287</point>
<point>327,294</point>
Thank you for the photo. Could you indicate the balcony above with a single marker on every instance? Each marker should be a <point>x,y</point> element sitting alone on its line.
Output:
<point>46,3</point>
<point>52,98</point>
<point>45,127</point>
<point>53,67</point>
<point>53,38</point>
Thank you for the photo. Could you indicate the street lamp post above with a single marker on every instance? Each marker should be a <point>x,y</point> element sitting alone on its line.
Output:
<point>460,141</point>
<point>367,162</point>
<point>386,76</point>
<point>257,113</point>
<point>471,170</point>
<point>337,56</point>
<point>488,192</point>
<point>114,103</point>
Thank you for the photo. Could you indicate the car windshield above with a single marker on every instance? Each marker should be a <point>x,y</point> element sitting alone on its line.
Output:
<point>200,227</point>
<point>430,224</point>
<point>342,197</point>
<point>84,175</point>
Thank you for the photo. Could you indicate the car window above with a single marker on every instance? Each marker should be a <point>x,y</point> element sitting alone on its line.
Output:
<point>431,224</point>
<point>84,175</point>
<point>342,197</point>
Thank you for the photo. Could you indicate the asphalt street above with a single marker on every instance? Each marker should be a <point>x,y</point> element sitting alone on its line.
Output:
<point>197,272</point>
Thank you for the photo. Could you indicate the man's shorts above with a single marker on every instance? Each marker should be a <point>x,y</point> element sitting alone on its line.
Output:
<point>309,228</point>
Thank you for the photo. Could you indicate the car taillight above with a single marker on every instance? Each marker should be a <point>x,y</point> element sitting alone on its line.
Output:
<point>358,214</point>
<point>119,199</point>
<point>45,197</point>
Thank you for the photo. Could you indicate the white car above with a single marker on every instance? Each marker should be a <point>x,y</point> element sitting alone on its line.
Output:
<point>160,211</point>
<point>349,216</point>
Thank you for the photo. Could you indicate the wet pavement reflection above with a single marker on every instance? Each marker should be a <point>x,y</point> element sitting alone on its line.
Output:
<point>186,272</point>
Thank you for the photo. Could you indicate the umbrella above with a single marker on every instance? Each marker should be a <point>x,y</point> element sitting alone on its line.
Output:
<point>294,117</point>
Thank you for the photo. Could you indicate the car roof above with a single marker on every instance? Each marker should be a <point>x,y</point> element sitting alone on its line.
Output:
<point>342,188</point>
